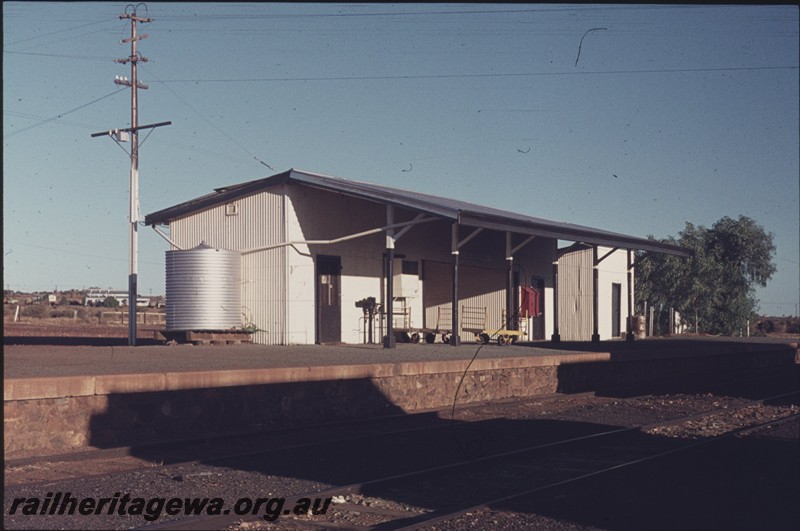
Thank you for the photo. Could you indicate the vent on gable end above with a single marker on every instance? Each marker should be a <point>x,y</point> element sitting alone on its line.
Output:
<point>231,209</point>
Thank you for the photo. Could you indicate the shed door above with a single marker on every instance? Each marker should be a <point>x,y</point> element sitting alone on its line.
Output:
<point>616,312</point>
<point>329,308</point>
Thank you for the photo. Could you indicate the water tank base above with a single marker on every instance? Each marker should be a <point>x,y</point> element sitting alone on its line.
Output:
<point>208,337</point>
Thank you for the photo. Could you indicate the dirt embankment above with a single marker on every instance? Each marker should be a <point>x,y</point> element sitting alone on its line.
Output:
<point>28,331</point>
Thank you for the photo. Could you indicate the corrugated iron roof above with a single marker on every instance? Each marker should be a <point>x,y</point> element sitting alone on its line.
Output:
<point>451,209</point>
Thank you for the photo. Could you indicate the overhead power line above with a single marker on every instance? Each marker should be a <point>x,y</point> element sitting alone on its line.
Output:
<point>577,8</point>
<point>53,33</point>
<point>39,117</point>
<point>62,56</point>
<point>464,76</point>
<point>212,124</point>
<point>56,117</point>
<point>66,251</point>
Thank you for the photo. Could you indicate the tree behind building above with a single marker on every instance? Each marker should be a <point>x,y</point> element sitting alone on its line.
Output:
<point>717,284</point>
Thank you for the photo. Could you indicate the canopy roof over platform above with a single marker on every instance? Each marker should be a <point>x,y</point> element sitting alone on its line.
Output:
<point>456,211</point>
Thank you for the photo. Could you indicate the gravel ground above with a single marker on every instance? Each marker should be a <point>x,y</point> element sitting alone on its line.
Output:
<point>712,487</point>
<point>52,328</point>
<point>721,423</point>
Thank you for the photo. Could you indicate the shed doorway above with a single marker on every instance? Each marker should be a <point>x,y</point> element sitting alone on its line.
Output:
<point>616,309</point>
<point>329,305</point>
<point>533,308</point>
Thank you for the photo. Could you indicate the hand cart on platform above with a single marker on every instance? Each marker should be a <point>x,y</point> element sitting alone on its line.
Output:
<point>474,319</point>
<point>406,332</point>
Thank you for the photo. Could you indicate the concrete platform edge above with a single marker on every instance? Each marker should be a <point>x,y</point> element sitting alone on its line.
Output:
<point>38,388</point>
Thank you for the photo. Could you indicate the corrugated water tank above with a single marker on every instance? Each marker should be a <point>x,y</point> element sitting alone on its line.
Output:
<point>203,289</point>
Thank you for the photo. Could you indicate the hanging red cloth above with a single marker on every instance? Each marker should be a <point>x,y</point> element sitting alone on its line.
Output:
<point>531,302</point>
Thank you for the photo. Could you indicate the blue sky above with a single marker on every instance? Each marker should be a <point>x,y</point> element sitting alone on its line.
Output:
<point>668,114</point>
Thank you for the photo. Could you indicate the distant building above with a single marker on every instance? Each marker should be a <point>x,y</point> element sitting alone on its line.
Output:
<point>96,297</point>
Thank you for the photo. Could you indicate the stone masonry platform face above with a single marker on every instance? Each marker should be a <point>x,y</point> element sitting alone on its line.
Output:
<point>62,399</point>
<point>35,388</point>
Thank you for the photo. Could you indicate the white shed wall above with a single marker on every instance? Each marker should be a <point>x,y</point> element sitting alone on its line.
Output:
<point>575,293</point>
<point>255,224</point>
<point>300,281</point>
<point>321,215</point>
<point>279,284</point>
<point>613,270</point>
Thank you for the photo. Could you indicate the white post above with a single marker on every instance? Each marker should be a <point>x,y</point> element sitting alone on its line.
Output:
<point>671,321</point>
<point>644,314</point>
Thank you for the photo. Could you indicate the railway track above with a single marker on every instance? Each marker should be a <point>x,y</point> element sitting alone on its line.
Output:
<point>504,452</point>
<point>586,470</point>
<point>523,472</point>
<point>171,455</point>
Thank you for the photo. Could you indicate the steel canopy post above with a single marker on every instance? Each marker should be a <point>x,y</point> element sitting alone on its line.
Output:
<point>511,320</point>
<point>556,337</point>
<point>595,299</point>
<point>629,333</point>
<point>389,340</point>
<point>455,339</point>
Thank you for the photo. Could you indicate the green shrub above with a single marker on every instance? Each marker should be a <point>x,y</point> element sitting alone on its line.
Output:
<point>38,311</point>
<point>62,312</point>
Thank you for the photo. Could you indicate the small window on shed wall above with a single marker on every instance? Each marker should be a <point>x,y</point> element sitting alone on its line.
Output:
<point>410,267</point>
<point>231,209</point>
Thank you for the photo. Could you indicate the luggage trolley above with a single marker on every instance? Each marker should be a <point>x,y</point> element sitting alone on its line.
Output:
<point>475,321</point>
<point>443,329</point>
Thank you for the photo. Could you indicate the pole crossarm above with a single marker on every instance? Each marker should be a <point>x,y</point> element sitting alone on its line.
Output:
<point>134,17</point>
<point>128,83</point>
<point>127,60</point>
<point>137,38</point>
<point>130,129</point>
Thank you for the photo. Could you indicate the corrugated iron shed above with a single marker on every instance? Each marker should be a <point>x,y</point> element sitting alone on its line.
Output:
<point>461,212</point>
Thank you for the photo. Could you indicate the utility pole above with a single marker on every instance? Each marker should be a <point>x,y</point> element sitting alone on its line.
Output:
<point>134,178</point>
<point>122,135</point>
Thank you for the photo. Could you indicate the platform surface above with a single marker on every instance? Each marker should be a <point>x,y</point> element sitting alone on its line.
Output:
<point>52,360</point>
